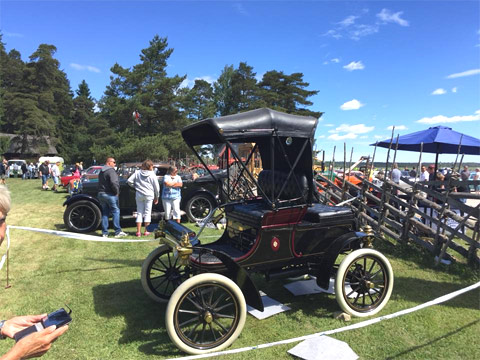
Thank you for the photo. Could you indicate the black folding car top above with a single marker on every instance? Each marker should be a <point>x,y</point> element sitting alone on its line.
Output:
<point>275,227</point>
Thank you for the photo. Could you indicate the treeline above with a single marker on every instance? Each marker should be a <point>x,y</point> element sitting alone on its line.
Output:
<point>36,100</point>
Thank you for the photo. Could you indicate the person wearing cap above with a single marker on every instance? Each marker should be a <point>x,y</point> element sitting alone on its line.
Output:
<point>37,343</point>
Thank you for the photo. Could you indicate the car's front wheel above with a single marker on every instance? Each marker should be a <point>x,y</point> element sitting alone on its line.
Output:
<point>364,282</point>
<point>199,207</point>
<point>82,216</point>
<point>205,313</point>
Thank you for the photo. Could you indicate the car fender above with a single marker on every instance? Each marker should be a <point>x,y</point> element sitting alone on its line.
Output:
<point>238,275</point>
<point>352,239</point>
<point>73,199</point>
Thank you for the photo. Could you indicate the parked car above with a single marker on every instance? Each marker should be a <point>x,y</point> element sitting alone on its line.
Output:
<point>83,211</point>
<point>91,174</point>
<point>15,167</point>
<point>67,175</point>
<point>277,230</point>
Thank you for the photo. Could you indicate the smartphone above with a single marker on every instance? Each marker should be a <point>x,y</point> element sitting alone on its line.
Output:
<point>59,318</point>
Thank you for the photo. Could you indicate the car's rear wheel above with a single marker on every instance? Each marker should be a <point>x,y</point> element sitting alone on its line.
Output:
<point>82,216</point>
<point>199,207</point>
<point>162,273</point>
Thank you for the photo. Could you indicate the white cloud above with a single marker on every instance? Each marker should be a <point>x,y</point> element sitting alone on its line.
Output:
<point>355,129</point>
<point>329,125</point>
<point>388,17</point>
<point>454,90</point>
<point>349,20</point>
<point>352,105</point>
<point>439,91</point>
<point>337,137</point>
<point>335,61</point>
<point>350,27</point>
<point>363,30</point>
<point>333,33</point>
<point>13,35</point>
<point>364,137</point>
<point>239,8</point>
<point>321,137</point>
<point>190,83</point>
<point>354,65</point>
<point>346,131</point>
<point>397,127</point>
<point>441,119</point>
<point>379,137</point>
<point>463,74</point>
<point>85,67</point>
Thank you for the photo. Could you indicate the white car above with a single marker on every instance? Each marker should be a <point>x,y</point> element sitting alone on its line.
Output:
<point>15,167</point>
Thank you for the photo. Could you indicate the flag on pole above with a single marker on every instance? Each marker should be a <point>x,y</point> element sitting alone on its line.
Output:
<point>136,117</point>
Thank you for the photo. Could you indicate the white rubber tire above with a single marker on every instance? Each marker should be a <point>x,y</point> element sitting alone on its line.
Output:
<point>179,294</point>
<point>340,290</point>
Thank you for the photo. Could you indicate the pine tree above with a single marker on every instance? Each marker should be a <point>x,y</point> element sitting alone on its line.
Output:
<point>287,93</point>
<point>145,88</point>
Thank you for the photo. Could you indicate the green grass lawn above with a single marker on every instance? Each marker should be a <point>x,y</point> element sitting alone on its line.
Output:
<point>113,317</point>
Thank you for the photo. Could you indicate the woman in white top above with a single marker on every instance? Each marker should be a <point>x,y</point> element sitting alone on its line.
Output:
<point>147,191</point>
<point>171,193</point>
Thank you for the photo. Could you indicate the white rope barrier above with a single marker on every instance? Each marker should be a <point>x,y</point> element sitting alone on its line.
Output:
<point>77,236</point>
<point>359,325</point>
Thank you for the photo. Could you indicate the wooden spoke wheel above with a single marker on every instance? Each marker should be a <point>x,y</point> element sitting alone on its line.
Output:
<point>364,282</point>
<point>206,313</point>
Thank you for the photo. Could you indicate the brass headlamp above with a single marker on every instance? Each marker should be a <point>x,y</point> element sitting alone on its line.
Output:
<point>368,240</point>
<point>184,249</point>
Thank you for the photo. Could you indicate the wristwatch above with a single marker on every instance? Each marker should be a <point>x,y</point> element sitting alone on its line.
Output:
<point>2,322</point>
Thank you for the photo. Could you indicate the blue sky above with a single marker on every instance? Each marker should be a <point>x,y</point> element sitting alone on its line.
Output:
<point>411,64</point>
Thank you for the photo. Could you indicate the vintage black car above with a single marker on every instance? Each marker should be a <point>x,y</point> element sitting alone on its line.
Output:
<point>278,229</point>
<point>83,211</point>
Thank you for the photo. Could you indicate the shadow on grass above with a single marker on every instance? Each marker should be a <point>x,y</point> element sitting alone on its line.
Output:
<point>145,319</point>
<point>421,291</point>
<point>423,258</point>
<point>451,333</point>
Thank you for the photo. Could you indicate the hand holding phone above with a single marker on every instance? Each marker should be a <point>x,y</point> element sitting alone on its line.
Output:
<point>58,318</point>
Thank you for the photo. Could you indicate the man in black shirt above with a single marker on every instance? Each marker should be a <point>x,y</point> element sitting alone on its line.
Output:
<point>44,173</point>
<point>108,191</point>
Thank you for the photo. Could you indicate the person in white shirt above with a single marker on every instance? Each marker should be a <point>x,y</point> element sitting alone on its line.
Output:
<point>55,171</point>
<point>147,192</point>
<point>424,174</point>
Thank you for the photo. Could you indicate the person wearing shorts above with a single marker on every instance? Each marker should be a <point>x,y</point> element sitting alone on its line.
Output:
<point>171,194</point>
<point>147,190</point>
<point>56,175</point>
<point>44,173</point>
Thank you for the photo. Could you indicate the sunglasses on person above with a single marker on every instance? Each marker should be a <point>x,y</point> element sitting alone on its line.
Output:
<point>2,220</point>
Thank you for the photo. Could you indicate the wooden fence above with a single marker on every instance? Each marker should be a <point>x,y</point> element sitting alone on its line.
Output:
<point>414,212</point>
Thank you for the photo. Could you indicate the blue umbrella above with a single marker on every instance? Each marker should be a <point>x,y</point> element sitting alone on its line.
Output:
<point>436,140</point>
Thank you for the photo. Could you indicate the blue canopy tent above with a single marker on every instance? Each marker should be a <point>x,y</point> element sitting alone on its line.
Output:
<point>436,140</point>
